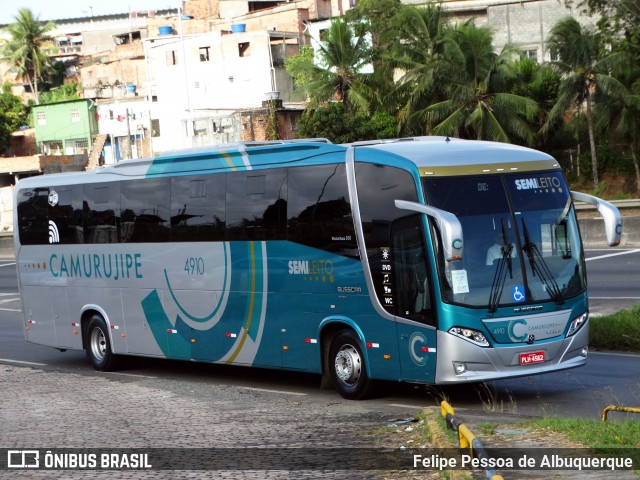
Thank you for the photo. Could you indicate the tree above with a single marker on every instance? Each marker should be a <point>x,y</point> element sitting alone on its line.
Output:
<point>423,53</point>
<point>379,21</point>
<point>540,83</point>
<point>478,100</point>
<point>26,47</point>
<point>13,114</point>
<point>619,19</point>
<point>584,68</point>
<point>619,113</point>
<point>69,91</point>
<point>337,73</point>
<point>334,123</point>
<point>298,67</point>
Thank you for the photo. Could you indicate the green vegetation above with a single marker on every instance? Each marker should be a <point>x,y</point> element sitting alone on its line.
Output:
<point>620,331</point>
<point>332,122</point>
<point>13,114</point>
<point>69,91</point>
<point>26,47</point>
<point>593,433</point>
<point>437,77</point>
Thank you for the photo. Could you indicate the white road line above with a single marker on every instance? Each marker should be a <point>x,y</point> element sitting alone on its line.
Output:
<point>126,374</point>
<point>402,405</point>
<point>274,391</point>
<point>22,362</point>
<point>6,294</point>
<point>10,310</point>
<point>7,264</point>
<point>612,255</point>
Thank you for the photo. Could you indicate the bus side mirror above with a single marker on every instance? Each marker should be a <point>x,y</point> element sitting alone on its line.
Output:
<point>610,213</point>
<point>449,225</point>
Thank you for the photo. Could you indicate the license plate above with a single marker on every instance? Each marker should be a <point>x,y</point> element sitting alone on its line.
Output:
<point>531,357</point>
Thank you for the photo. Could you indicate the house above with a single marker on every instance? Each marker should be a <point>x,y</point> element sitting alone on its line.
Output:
<point>67,129</point>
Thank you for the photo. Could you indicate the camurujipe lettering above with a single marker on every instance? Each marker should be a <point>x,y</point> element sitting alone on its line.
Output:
<point>115,266</point>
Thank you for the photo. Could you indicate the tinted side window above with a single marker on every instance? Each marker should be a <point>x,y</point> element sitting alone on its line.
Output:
<point>33,216</point>
<point>197,208</point>
<point>319,209</point>
<point>101,212</point>
<point>396,261</point>
<point>257,205</point>
<point>145,210</point>
<point>65,211</point>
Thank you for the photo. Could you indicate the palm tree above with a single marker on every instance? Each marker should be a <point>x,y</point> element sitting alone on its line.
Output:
<point>540,83</point>
<point>478,101</point>
<point>585,69</point>
<point>422,53</point>
<point>343,58</point>
<point>619,112</point>
<point>26,47</point>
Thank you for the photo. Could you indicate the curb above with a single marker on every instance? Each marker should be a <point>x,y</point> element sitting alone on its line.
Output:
<point>467,439</point>
<point>439,439</point>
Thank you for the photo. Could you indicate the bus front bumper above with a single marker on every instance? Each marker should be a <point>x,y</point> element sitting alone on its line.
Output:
<point>461,361</point>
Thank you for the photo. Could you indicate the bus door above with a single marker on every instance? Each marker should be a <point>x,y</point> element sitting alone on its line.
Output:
<point>410,283</point>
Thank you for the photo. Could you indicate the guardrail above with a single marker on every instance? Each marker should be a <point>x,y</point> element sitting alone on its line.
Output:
<point>466,438</point>
<point>615,408</point>
<point>621,204</point>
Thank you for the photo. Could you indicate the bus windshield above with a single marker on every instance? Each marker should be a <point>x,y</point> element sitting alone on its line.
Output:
<point>521,239</point>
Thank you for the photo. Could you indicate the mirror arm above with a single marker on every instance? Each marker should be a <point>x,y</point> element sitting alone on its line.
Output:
<point>449,225</point>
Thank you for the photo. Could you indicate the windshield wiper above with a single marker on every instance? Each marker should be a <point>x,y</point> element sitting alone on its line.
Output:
<point>499,278</point>
<point>539,267</point>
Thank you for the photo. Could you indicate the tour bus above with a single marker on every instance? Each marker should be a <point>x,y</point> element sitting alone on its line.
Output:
<point>431,260</point>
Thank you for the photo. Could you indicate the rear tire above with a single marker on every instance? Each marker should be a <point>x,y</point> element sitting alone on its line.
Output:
<point>347,367</point>
<point>98,346</point>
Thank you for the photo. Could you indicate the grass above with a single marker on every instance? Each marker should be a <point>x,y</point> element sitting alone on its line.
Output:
<point>593,433</point>
<point>620,331</point>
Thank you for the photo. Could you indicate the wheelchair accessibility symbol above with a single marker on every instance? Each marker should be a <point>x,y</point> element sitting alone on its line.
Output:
<point>517,293</point>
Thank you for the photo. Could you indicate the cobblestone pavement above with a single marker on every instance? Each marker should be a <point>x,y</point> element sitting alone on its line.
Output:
<point>53,410</point>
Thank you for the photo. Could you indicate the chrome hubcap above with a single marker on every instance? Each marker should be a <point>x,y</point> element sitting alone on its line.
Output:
<point>98,344</point>
<point>348,364</point>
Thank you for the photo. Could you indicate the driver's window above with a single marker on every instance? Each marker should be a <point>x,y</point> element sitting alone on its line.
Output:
<point>413,292</point>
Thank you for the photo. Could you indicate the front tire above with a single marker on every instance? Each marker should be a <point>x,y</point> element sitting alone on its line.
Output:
<point>98,346</point>
<point>347,367</point>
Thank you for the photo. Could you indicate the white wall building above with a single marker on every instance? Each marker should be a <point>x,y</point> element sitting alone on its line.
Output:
<point>195,102</point>
<point>523,23</point>
<point>127,124</point>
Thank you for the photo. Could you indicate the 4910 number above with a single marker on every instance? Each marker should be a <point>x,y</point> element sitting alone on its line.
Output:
<point>194,266</point>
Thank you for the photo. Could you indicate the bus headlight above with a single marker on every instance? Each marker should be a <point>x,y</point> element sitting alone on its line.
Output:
<point>470,335</point>
<point>577,323</point>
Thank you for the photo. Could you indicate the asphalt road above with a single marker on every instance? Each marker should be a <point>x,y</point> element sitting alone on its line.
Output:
<point>613,276</point>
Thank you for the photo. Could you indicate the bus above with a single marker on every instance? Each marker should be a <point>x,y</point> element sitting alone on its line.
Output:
<point>428,260</point>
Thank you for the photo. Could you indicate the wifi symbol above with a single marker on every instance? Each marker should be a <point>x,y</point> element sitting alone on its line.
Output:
<point>54,236</point>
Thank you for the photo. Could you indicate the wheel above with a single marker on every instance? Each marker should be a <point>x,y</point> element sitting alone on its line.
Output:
<point>98,345</point>
<point>347,367</point>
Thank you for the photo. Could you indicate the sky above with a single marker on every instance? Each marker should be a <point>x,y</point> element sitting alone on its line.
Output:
<point>58,9</point>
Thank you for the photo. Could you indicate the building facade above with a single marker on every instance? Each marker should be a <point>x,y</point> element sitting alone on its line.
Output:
<point>65,128</point>
<point>199,84</point>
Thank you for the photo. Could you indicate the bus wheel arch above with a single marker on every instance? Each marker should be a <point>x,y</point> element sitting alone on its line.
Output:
<point>97,343</point>
<point>344,362</point>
